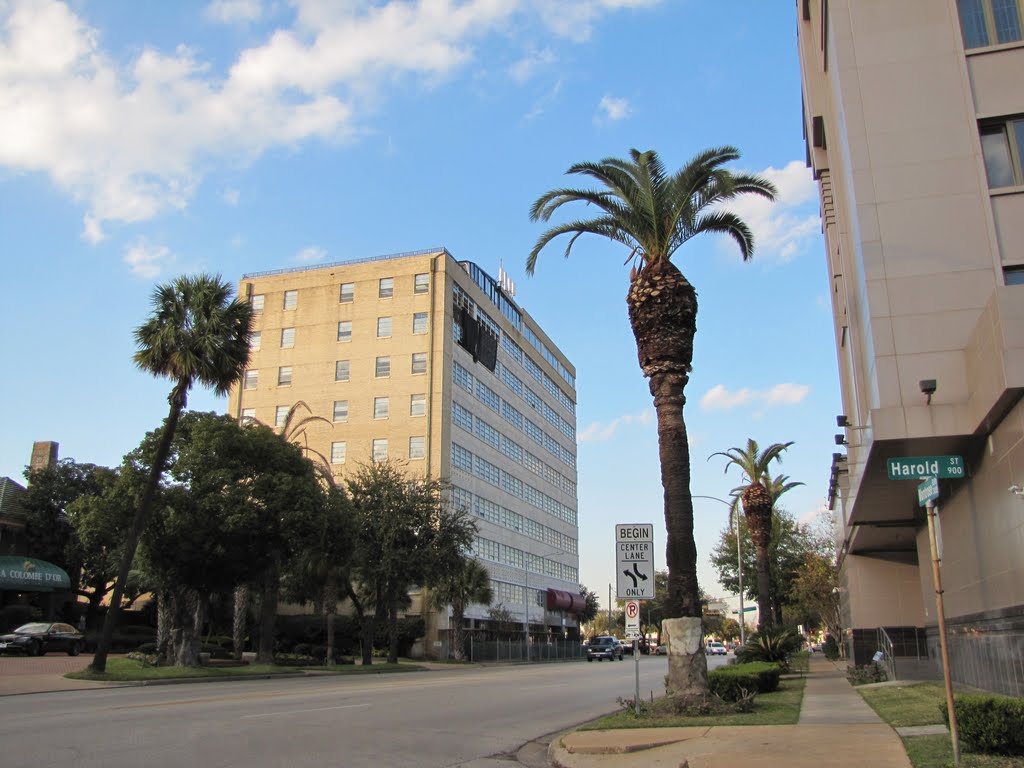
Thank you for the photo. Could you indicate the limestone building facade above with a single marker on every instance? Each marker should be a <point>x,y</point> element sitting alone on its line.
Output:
<point>428,361</point>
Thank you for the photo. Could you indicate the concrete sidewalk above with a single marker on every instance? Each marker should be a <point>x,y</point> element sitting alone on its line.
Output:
<point>43,674</point>
<point>836,729</point>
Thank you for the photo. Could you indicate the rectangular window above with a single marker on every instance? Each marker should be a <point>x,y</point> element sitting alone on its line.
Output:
<point>341,410</point>
<point>382,367</point>
<point>417,447</point>
<point>284,376</point>
<point>989,22</point>
<point>380,407</point>
<point>383,327</point>
<point>487,433</point>
<point>488,397</point>
<point>462,377</point>
<point>252,379</point>
<point>287,338</point>
<point>419,362</point>
<point>418,405</point>
<point>345,330</point>
<point>341,370</point>
<point>1001,145</point>
<point>419,322</point>
<point>338,453</point>
<point>281,415</point>
<point>462,417</point>
<point>421,283</point>
<point>386,287</point>
<point>380,449</point>
<point>1013,275</point>
<point>291,299</point>
<point>255,340</point>
<point>461,458</point>
<point>348,293</point>
<point>257,302</point>
<point>248,414</point>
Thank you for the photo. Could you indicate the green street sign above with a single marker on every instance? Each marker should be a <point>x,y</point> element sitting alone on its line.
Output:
<point>928,491</point>
<point>922,467</point>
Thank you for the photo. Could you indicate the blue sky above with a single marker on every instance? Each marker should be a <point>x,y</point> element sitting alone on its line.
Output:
<point>145,140</point>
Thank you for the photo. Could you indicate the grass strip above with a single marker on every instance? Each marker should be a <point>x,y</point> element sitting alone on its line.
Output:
<point>903,705</point>
<point>937,752</point>
<point>128,670</point>
<point>781,707</point>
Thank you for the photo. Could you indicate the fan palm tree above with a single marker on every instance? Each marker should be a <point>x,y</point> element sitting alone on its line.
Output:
<point>462,586</point>
<point>197,332</point>
<point>653,213</point>
<point>758,497</point>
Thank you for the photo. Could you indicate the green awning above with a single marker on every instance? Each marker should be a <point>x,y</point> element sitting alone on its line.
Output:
<point>27,574</point>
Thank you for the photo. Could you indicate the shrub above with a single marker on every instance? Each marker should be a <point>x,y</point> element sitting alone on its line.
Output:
<point>830,648</point>
<point>868,673</point>
<point>989,723</point>
<point>769,644</point>
<point>738,681</point>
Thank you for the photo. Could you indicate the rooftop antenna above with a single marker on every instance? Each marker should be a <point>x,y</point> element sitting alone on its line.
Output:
<point>505,282</point>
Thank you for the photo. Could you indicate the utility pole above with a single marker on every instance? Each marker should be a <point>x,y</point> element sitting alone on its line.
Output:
<point>609,609</point>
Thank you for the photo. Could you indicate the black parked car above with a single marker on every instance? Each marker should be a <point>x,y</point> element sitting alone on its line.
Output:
<point>604,647</point>
<point>38,638</point>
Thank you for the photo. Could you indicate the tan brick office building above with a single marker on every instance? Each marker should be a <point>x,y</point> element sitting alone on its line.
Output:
<point>428,361</point>
<point>914,118</point>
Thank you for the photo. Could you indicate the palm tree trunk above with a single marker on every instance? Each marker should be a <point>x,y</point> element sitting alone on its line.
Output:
<point>178,398</point>
<point>268,609</point>
<point>241,614</point>
<point>330,608</point>
<point>762,563</point>
<point>458,633</point>
<point>393,632</point>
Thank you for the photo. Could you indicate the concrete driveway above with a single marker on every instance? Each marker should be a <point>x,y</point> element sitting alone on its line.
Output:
<point>39,674</point>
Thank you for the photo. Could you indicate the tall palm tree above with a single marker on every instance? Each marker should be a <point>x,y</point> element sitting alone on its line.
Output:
<point>197,332</point>
<point>653,213</point>
<point>462,586</point>
<point>758,496</point>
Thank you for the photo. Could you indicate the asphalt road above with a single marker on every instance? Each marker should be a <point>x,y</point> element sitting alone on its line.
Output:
<point>475,716</point>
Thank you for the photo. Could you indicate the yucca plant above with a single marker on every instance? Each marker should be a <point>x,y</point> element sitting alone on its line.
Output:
<point>769,644</point>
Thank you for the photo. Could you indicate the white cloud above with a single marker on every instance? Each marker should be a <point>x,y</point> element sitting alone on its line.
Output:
<point>542,103</point>
<point>148,261</point>
<point>231,197</point>
<point>597,432</point>
<point>233,11</point>
<point>783,228</point>
<point>524,69</point>
<point>131,139</point>
<point>311,254</point>
<point>92,231</point>
<point>613,109</point>
<point>720,398</point>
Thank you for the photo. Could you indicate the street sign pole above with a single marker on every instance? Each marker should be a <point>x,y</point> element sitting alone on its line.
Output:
<point>636,673</point>
<point>943,646</point>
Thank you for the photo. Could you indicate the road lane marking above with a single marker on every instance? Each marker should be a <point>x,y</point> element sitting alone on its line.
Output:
<point>303,711</point>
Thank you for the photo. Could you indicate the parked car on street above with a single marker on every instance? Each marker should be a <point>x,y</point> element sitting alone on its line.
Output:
<point>661,650</point>
<point>38,638</point>
<point>715,648</point>
<point>604,647</point>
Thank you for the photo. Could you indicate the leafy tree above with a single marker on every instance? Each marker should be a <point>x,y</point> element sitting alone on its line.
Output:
<point>502,622</point>
<point>97,522</point>
<point>758,502</point>
<point>466,582</point>
<point>406,533</point>
<point>653,213</point>
<point>791,544</point>
<point>592,606</point>
<point>816,589</point>
<point>197,332</point>
<point>49,533</point>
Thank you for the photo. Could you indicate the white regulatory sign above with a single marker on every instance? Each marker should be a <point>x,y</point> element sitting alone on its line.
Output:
<point>632,620</point>
<point>634,561</point>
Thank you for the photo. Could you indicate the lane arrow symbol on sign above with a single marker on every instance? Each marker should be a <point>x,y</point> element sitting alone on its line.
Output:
<point>631,575</point>
<point>639,575</point>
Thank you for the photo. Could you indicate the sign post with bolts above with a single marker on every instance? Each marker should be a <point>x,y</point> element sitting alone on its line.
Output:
<point>634,580</point>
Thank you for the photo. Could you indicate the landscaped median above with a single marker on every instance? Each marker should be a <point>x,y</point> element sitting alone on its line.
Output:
<point>921,705</point>
<point>130,670</point>
<point>781,706</point>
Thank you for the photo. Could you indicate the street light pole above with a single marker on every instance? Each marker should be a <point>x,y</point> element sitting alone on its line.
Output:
<point>739,562</point>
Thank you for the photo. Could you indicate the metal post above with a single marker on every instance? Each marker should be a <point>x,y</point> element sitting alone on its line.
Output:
<point>526,606</point>
<point>609,609</point>
<point>636,670</point>
<point>739,571</point>
<point>943,647</point>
